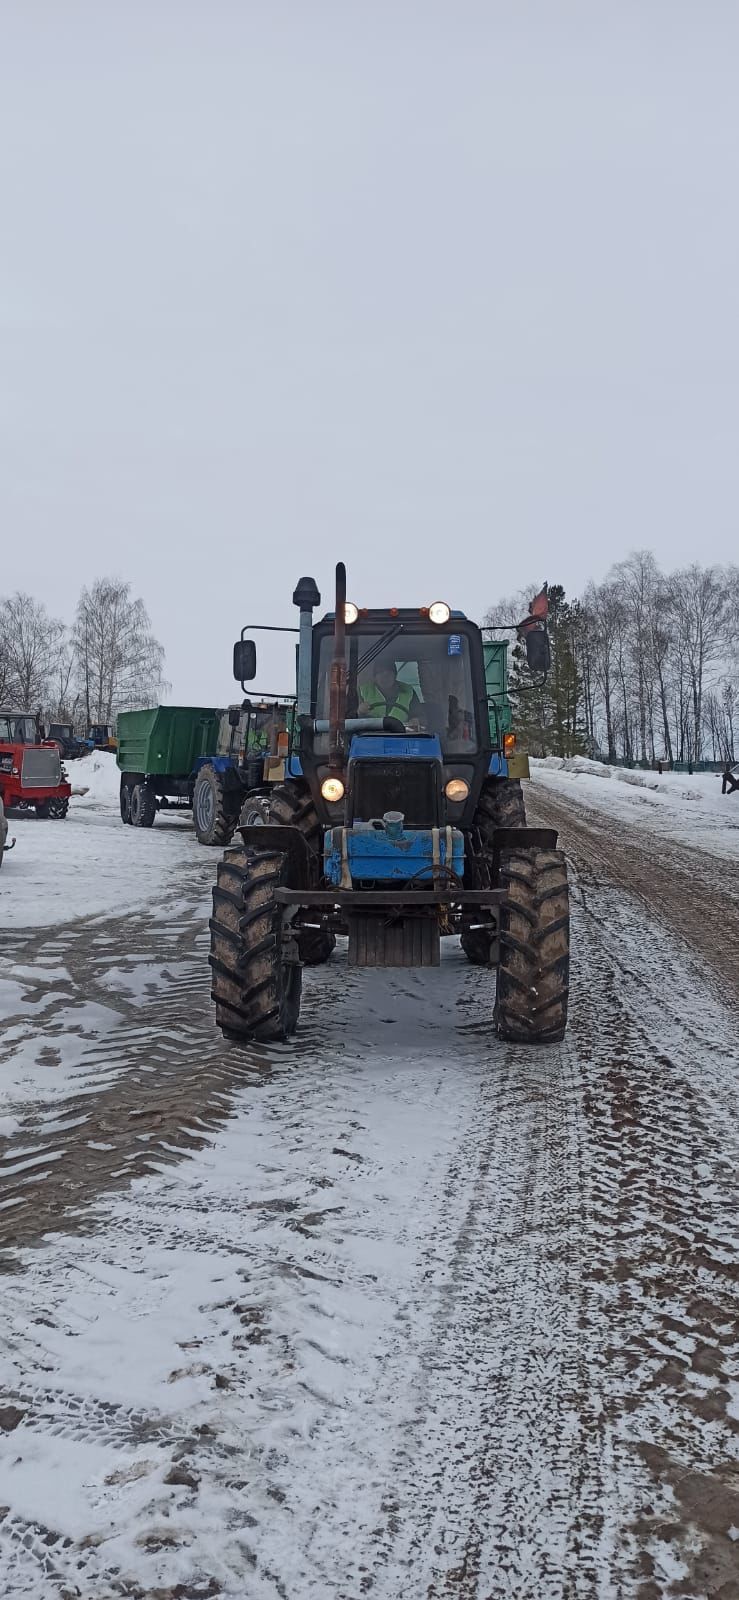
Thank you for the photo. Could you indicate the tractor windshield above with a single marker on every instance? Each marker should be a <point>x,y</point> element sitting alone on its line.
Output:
<point>424,680</point>
<point>16,729</point>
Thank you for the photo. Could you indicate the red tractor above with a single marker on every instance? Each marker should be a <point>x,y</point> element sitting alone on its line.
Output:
<point>31,771</point>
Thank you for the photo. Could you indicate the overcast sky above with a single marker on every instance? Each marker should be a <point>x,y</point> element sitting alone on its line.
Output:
<point>447,290</point>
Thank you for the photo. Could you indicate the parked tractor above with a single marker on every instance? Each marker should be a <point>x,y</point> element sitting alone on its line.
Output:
<point>100,736</point>
<point>31,773</point>
<point>182,757</point>
<point>398,822</point>
<point>63,735</point>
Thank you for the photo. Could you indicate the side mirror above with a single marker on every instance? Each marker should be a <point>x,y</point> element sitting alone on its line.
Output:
<point>234,714</point>
<point>538,650</point>
<point>245,660</point>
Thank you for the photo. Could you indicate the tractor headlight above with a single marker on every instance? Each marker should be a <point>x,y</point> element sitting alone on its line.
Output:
<point>439,611</point>
<point>456,790</point>
<point>332,790</point>
<point>351,612</point>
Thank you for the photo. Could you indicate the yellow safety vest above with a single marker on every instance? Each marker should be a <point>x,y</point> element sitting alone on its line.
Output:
<point>372,696</point>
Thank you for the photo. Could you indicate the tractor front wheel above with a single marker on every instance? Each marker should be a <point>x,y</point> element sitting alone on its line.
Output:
<point>58,809</point>
<point>255,811</point>
<point>534,971</point>
<point>256,974</point>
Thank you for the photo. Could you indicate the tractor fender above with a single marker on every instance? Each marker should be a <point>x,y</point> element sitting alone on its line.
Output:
<point>272,835</point>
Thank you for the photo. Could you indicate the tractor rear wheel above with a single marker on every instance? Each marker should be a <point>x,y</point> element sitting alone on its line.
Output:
<point>534,971</point>
<point>58,809</point>
<point>214,812</point>
<point>501,805</point>
<point>256,974</point>
<point>291,806</point>
<point>143,806</point>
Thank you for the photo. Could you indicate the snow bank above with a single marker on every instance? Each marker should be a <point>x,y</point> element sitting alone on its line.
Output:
<point>669,782</point>
<point>687,808</point>
<point>98,775</point>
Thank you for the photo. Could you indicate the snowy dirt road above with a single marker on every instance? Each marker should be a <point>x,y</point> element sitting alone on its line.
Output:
<point>395,1310</point>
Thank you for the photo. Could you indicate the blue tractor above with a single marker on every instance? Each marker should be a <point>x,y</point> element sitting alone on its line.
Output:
<point>398,822</point>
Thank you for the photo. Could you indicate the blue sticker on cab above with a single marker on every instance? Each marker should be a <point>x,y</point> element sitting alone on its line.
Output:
<point>454,647</point>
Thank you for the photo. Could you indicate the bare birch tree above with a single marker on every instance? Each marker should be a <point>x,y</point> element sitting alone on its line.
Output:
<point>33,645</point>
<point>119,663</point>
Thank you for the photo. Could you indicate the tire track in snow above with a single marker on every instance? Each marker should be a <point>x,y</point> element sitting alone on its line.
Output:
<point>158,1086</point>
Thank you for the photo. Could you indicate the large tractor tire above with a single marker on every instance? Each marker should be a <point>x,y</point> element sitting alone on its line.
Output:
<point>143,806</point>
<point>214,812</point>
<point>501,805</point>
<point>58,808</point>
<point>291,806</point>
<point>256,979</point>
<point>534,971</point>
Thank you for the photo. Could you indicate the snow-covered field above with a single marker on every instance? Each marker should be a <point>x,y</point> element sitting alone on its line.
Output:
<point>394,1310</point>
<point>89,864</point>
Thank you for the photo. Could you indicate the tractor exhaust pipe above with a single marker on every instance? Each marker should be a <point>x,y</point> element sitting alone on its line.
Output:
<point>337,699</point>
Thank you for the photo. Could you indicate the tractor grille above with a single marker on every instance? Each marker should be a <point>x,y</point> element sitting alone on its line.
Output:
<point>408,786</point>
<point>42,768</point>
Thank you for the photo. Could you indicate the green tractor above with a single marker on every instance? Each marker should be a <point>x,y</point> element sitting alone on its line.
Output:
<point>398,822</point>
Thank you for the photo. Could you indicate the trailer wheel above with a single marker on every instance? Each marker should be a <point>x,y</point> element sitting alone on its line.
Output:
<point>256,977</point>
<point>214,816</point>
<point>534,971</point>
<point>125,801</point>
<point>501,805</point>
<point>143,806</point>
<point>291,806</point>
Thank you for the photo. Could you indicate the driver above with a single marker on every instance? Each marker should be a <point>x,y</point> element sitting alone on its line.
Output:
<point>385,696</point>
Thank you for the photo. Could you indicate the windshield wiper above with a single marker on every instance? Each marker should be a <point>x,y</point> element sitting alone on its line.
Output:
<point>374,650</point>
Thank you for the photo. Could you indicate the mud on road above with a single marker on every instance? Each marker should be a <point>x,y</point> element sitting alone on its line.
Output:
<point>450,1318</point>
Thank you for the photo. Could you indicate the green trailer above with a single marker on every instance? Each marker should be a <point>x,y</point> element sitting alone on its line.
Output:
<point>159,754</point>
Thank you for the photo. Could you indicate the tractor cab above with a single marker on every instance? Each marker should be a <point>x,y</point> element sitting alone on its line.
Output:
<point>415,731</point>
<point>18,728</point>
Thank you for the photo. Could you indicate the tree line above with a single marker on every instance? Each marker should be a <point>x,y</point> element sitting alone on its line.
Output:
<point>645,666</point>
<point>107,661</point>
